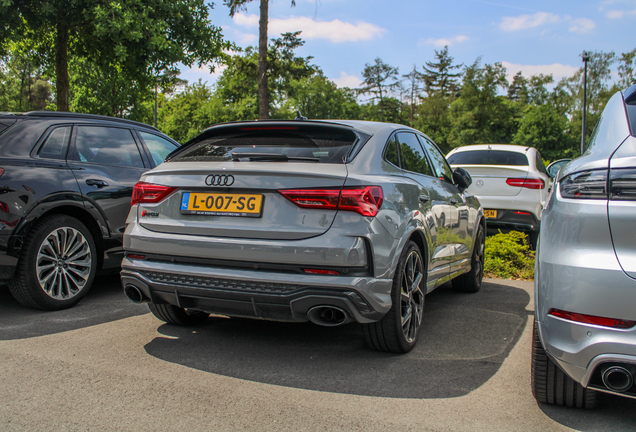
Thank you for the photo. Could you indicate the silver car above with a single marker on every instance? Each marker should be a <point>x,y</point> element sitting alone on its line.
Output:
<point>326,221</point>
<point>585,276</point>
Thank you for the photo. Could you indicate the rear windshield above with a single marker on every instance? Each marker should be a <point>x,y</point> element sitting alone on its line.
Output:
<point>488,157</point>
<point>4,125</point>
<point>270,143</point>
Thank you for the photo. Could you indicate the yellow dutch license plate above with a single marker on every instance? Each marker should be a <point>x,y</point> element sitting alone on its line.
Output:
<point>490,213</point>
<point>222,204</point>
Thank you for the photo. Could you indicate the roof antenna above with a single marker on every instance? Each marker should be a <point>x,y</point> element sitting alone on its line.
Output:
<point>299,116</point>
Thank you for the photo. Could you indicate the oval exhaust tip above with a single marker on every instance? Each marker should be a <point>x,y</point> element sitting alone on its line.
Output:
<point>328,316</point>
<point>134,294</point>
<point>617,378</point>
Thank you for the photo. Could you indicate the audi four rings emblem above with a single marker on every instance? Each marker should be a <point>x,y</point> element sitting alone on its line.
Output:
<point>219,180</point>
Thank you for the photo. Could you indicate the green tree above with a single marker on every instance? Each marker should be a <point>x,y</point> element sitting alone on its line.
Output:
<point>318,98</point>
<point>627,77</point>
<point>380,79</point>
<point>439,77</point>
<point>480,114</point>
<point>546,129</point>
<point>141,37</point>
<point>262,76</point>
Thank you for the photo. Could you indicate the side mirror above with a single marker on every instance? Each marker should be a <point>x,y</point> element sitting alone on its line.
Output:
<point>462,179</point>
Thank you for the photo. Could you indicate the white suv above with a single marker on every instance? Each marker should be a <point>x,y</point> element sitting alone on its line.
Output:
<point>511,183</point>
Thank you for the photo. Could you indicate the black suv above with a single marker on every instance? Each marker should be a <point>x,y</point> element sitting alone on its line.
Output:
<point>66,183</point>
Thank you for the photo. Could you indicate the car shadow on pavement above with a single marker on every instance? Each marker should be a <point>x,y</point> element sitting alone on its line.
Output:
<point>105,302</point>
<point>464,341</point>
<point>614,413</point>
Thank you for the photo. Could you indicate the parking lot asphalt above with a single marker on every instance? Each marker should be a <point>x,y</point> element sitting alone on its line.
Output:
<point>108,364</point>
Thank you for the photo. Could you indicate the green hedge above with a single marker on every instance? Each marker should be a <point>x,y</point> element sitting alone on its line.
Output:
<point>508,256</point>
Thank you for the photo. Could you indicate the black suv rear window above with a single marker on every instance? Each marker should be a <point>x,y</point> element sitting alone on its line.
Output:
<point>324,144</point>
<point>488,157</point>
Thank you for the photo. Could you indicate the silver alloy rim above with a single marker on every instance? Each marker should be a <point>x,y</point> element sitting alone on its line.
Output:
<point>411,296</point>
<point>63,263</point>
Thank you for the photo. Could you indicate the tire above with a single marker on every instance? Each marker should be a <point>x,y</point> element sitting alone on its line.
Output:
<point>551,385</point>
<point>471,282</point>
<point>176,315</point>
<point>57,264</point>
<point>398,330</point>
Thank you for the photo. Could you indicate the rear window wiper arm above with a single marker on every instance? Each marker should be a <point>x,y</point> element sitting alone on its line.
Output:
<point>270,157</point>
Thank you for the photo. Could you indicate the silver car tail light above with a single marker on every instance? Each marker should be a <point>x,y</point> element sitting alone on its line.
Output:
<point>585,185</point>
<point>623,184</point>
<point>150,193</point>
<point>364,200</point>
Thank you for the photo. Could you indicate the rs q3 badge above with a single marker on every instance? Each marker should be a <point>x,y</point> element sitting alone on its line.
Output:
<point>219,180</point>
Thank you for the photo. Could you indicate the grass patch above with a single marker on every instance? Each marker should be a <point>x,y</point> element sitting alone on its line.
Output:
<point>508,256</point>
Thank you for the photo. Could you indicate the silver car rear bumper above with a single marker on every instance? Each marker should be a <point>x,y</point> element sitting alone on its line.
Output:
<point>256,294</point>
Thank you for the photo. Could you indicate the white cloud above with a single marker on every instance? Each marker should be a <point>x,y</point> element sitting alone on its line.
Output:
<point>346,80</point>
<point>557,70</point>
<point>444,41</point>
<point>336,31</point>
<point>582,25</point>
<point>616,14</point>
<point>523,22</point>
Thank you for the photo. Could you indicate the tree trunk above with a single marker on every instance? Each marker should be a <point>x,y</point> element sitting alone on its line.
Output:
<point>263,92</point>
<point>61,65</point>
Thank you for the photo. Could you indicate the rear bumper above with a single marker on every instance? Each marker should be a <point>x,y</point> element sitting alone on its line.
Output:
<point>257,294</point>
<point>508,220</point>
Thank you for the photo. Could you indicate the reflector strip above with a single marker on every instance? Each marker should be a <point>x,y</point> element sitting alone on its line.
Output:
<point>591,319</point>
<point>320,271</point>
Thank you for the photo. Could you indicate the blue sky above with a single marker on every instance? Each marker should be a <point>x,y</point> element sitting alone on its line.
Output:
<point>343,35</point>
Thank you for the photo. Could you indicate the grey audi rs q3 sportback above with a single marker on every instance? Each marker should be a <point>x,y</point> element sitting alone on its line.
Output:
<point>585,275</point>
<point>326,221</point>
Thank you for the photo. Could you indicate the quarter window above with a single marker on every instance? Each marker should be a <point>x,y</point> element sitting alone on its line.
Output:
<point>391,152</point>
<point>55,145</point>
<point>159,147</point>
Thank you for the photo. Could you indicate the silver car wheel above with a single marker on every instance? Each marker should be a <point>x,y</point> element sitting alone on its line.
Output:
<point>63,263</point>
<point>411,296</point>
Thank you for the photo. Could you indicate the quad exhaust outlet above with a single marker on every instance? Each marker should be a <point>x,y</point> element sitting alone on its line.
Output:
<point>135,295</point>
<point>618,378</point>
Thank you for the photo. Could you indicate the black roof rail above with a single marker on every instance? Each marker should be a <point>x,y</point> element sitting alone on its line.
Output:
<point>86,116</point>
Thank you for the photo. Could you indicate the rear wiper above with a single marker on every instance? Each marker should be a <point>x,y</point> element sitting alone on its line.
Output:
<point>276,157</point>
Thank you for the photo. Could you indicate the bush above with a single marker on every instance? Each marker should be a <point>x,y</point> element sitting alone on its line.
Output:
<point>508,256</point>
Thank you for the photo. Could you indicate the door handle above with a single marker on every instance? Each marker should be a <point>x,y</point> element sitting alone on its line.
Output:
<point>98,183</point>
<point>424,198</point>
<point>453,201</point>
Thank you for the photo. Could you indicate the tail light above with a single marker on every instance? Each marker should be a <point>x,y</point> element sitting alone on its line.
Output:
<point>585,185</point>
<point>1,171</point>
<point>364,200</point>
<point>530,183</point>
<point>591,319</point>
<point>150,193</point>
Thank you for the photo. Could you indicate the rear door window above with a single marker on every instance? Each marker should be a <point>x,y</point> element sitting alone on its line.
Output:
<point>441,167</point>
<point>412,154</point>
<point>488,157</point>
<point>107,146</point>
<point>275,143</point>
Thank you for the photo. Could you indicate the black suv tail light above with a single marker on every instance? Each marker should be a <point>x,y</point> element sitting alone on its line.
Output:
<point>585,185</point>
